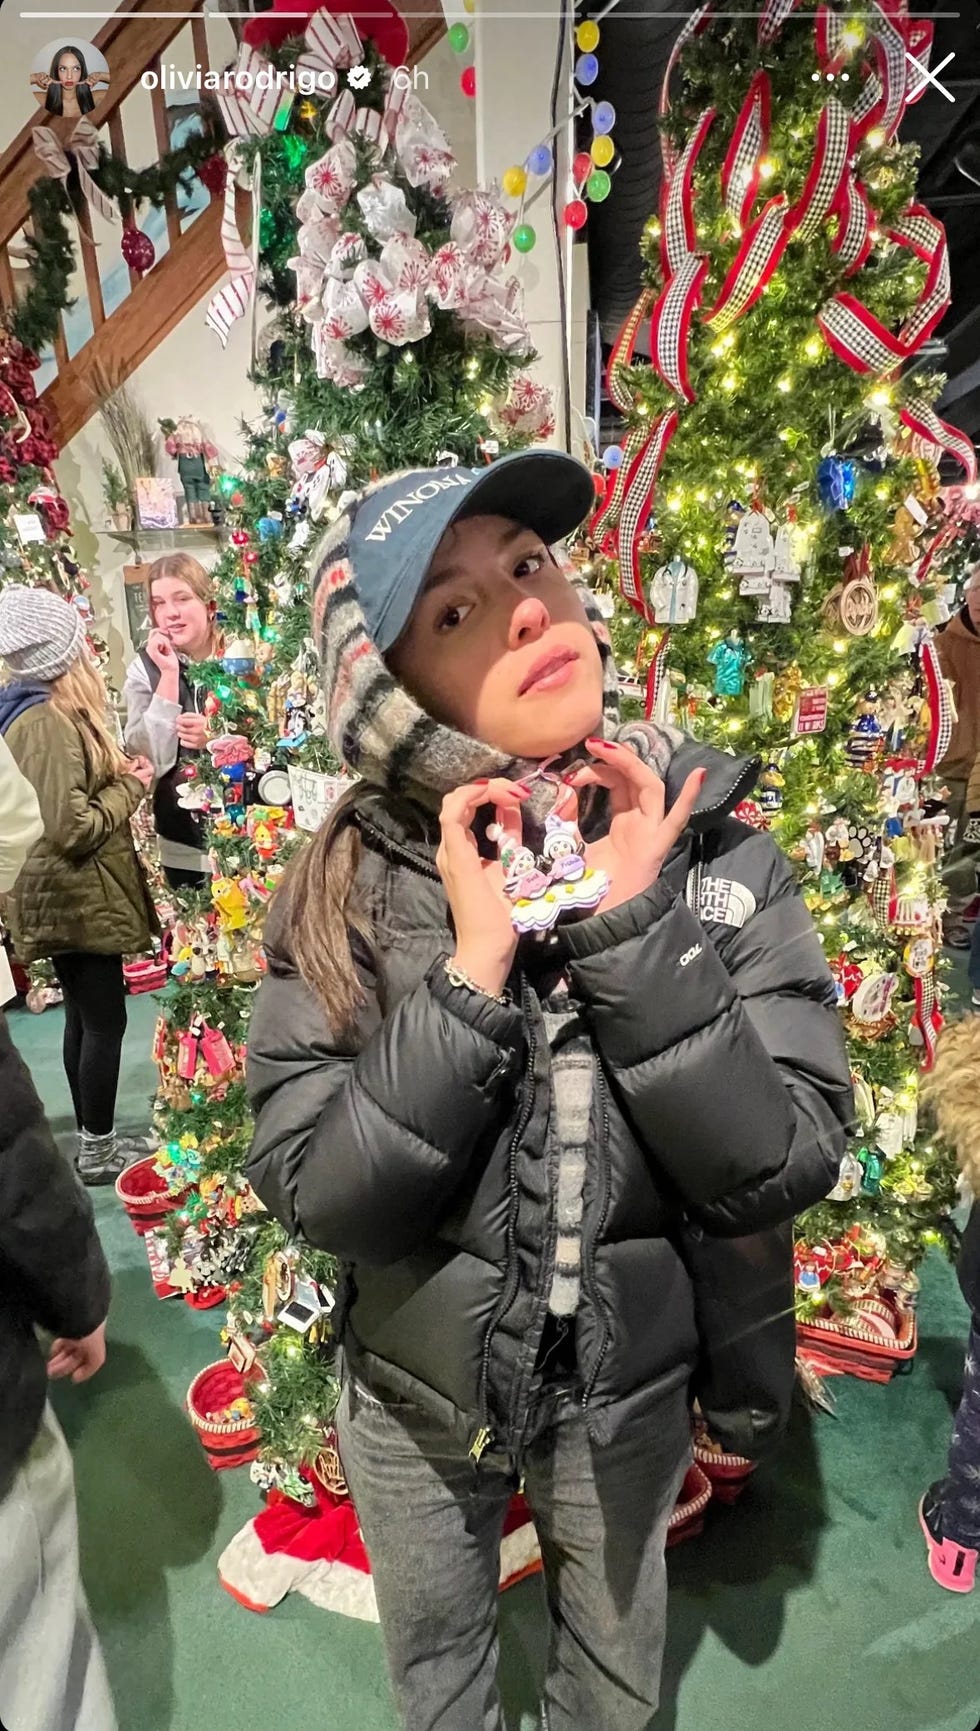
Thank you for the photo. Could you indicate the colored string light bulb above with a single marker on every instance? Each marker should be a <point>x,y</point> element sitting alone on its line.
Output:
<point>541,159</point>
<point>514,182</point>
<point>612,456</point>
<point>587,36</point>
<point>603,117</point>
<point>458,37</point>
<point>581,166</point>
<point>603,151</point>
<point>598,186</point>
<point>524,237</point>
<point>576,213</point>
<point>467,82</point>
<point>586,70</point>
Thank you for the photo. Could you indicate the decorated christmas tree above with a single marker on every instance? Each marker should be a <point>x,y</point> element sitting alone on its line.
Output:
<point>773,523</point>
<point>36,545</point>
<point>395,339</point>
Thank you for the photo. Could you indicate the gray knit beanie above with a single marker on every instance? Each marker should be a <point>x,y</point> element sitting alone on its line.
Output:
<point>41,636</point>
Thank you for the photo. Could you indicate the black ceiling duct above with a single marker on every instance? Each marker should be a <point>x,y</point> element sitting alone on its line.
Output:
<point>633,55</point>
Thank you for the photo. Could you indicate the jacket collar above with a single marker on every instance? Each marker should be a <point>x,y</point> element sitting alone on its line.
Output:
<point>19,696</point>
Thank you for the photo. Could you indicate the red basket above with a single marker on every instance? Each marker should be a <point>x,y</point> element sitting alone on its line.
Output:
<point>835,1347</point>
<point>728,1475</point>
<point>144,1195</point>
<point>687,1520</point>
<point>226,1442</point>
<point>145,975</point>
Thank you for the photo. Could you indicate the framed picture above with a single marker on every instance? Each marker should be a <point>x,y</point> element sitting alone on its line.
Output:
<point>137,610</point>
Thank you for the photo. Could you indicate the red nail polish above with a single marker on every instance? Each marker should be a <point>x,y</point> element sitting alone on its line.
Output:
<point>482,781</point>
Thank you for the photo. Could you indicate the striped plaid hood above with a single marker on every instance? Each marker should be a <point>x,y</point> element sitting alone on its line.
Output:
<point>383,734</point>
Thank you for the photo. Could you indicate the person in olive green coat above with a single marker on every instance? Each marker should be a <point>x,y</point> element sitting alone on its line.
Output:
<point>81,898</point>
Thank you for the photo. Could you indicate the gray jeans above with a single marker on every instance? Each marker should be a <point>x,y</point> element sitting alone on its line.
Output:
<point>432,1525</point>
<point>51,1670</point>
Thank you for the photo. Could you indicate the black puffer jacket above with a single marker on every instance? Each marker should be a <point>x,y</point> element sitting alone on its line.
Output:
<point>416,1151</point>
<point>53,1274</point>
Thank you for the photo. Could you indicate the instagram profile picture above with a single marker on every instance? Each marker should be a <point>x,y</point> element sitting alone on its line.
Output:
<point>69,76</point>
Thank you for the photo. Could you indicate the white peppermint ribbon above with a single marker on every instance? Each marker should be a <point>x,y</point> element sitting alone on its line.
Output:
<point>83,146</point>
<point>233,300</point>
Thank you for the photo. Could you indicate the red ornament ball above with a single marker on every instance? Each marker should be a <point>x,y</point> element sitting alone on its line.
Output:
<point>213,174</point>
<point>250,557</point>
<point>138,249</point>
<point>239,537</point>
<point>576,213</point>
<point>582,166</point>
<point>467,82</point>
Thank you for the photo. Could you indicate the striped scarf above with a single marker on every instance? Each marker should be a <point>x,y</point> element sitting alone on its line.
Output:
<point>381,733</point>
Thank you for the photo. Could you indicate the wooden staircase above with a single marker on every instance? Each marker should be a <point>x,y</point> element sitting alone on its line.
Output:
<point>133,42</point>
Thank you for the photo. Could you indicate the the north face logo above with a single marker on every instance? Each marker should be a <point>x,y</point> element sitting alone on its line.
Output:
<point>401,509</point>
<point>720,900</point>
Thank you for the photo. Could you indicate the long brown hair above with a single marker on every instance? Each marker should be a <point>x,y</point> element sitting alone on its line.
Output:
<point>320,912</point>
<point>81,696</point>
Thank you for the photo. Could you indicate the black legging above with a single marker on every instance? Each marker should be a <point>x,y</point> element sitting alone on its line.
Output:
<point>179,879</point>
<point>95,1022</point>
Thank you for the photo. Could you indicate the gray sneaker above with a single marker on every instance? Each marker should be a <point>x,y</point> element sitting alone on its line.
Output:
<point>138,1147</point>
<point>100,1159</point>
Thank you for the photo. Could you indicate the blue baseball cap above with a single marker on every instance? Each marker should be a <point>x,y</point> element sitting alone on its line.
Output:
<point>397,528</point>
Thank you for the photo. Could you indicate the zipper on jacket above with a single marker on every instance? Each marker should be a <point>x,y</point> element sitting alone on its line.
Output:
<point>508,1294</point>
<point>396,850</point>
<point>593,1240</point>
<point>481,1443</point>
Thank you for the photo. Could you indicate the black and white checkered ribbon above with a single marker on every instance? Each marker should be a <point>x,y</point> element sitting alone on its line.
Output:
<point>829,165</point>
<point>855,225</point>
<point>858,336</point>
<point>636,509</point>
<point>607,516</point>
<point>740,174</point>
<point>697,22</point>
<point>763,245</point>
<point>670,324</point>
<point>934,438</point>
<point>772,18</point>
<point>678,238</point>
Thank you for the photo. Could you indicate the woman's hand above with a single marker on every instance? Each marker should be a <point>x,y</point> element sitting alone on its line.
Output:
<point>161,651</point>
<point>192,730</point>
<point>143,770</point>
<point>485,935</point>
<point>640,834</point>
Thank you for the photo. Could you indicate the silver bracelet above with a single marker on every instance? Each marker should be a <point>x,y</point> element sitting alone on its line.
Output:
<point>456,977</point>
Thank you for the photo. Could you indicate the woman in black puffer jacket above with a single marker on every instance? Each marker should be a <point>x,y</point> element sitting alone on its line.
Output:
<point>523,1149</point>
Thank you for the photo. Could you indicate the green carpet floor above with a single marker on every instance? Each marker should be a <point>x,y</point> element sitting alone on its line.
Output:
<point>808,1608</point>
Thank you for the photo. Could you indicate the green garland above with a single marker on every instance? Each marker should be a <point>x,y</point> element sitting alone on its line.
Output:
<point>52,202</point>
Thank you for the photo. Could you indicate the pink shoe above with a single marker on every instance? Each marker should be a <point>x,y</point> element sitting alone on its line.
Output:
<point>951,1565</point>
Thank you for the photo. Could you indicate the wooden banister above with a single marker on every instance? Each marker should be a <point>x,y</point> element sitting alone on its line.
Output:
<point>194,262</point>
<point>129,43</point>
<point>152,309</point>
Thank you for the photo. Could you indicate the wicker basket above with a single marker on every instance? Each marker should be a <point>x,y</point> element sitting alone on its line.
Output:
<point>687,1520</point>
<point>144,976</point>
<point>857,1346</point>
<point>229,1442</point>
<point>144,1195</point>
<point>727,1474</point>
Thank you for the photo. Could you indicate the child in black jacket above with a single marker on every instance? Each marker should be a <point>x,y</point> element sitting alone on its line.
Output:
<point>53,1276</point>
